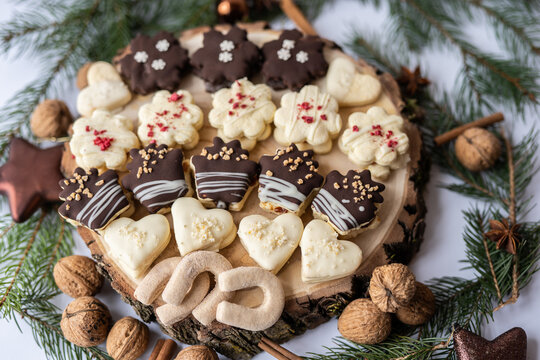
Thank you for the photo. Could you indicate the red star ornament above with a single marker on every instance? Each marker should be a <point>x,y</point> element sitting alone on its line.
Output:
<point>30,177</point>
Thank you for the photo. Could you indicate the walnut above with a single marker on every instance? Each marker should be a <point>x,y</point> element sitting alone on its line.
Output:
<point>477,149</point>
<point>197,352</point>
<point>51,118</point>
<point>127,339</point>
<point>86,321</point>
<point>77,276</point>
<point>82,80</point>
<point>420,309</point>
<point>391,287</point>
<point>364,323</point>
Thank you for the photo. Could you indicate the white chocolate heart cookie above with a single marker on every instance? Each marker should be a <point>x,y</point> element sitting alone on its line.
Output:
<point>105,90</point>
<point>270,242</point>
<point>377,141</point>
<point>350,87</point>
<point>197,228</point>
<point>134,245</point>
<point>171,119</point>
<point>242,111</point>
<point>102,141</point>
<point>308,118</point>
<point>324,257</point>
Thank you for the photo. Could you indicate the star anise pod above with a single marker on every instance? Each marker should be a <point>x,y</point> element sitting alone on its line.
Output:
<point>506,236</point>
<point>412,80</point>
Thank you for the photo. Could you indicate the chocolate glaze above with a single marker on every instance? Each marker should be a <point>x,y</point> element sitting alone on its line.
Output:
<point>357,194</point>
<point>91,199</point>
<point>241,60</point>
<point>147,68</point>
<point>223,172</point>
<point>280,73</point>
<point>156,176</point>
<point>30,177</point>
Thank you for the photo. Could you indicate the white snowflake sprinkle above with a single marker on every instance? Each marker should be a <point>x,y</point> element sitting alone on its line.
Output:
<point>163,45</point>
<point>226,45</point>
<point>283,54</point>
<point>225,57</point>
<point>302,57</point>
<point>140,57</point>
<point>158,64</point>
<point>288,44</point>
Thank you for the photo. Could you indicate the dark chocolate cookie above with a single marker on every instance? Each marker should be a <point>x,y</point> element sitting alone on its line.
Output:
<point>293,60</point>
<point>154,63</point>
<point>156,176</point>
<point>287,179</point>
<point>92,200</point>
<point>349,202</point>
<point>224,174</point>
<point>225,58</point>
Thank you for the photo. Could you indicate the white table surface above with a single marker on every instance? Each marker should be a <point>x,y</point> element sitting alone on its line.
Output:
<point>443,246</point>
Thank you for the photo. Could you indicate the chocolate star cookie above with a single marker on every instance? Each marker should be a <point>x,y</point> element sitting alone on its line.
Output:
<point>156,177</point>
<point>293,60</point>
<point>154,63</point>
<point>349,203</point>
<point>224,175</point>
<point>225,58</point>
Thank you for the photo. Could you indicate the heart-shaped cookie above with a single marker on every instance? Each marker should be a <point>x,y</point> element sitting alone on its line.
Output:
<point>270,242</point>
<point>324,257</point>
<point>197,228</point>
<point>134,245</point>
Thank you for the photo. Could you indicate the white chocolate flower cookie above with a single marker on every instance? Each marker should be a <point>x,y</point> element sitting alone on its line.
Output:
<point>105,90</point>
<point>376,140</point>
<point>171,119</point>
<point>102,141</point>
<point>309,118</point>
<point>350,87</point>
<point>242,111</point>
<point>324,257</point>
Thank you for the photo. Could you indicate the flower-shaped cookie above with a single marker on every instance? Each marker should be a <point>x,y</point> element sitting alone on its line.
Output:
<point>376,140</point>
<point>154,63</point>
<point>293,60</point>
<point>244,111</point>
<point>102,141</point>
<point>171,119</point>
<point>310,119</point>
<point>225,58</point>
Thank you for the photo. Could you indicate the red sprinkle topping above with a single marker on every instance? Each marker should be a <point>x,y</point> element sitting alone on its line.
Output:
<point>153,141</point>
<point>243,106</point>
<point>389,134</point>
<point>252,98</point>
<point>175,97</point>
<point>162,127</point>
<point>165,112</point>
<point>231,100</point>
<point>235,105</point>
<point>103,142</point>
<point>240,96</point>
<point>150,130</point>
<point>376,133</point>
<point>231,113</point>
<point>96,132</point>
<point>307,119</point>
<point>355,128</point>
<point>305,106</point>
<point>87,128</point>
<point>376,127</point>
<point>392,143</point>
<point>323,117</point>
<point>319,107</point>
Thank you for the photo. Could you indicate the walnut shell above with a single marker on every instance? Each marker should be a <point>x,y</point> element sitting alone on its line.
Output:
<point>197,352</point>
<point>391,287</point>
<point>86,321</point>
<point>51,118</point>
<point>82,80</point>
<point>477,149</point>
<point>364,323</point>
<point>128,339</point>
<point>420,309</point>
<point>77,276</point>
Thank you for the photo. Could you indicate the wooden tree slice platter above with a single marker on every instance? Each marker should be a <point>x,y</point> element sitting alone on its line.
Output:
<point>307,305</point>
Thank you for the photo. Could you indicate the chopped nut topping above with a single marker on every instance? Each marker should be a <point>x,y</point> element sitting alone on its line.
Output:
<point>269,173</point>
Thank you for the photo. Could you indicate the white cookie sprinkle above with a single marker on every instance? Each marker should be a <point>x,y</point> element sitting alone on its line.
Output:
<point>226,45</point>
<point>158,64</point>
<point>140,57</point>
<point>302,57</point>
<point>288,44</point>
<point>361,208</point>
<point>225,57</point>
<point>163,45</point>
<point>283,54</point>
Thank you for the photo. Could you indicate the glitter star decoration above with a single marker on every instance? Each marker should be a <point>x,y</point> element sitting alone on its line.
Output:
<point>505,235</point>
<point>510,345</point>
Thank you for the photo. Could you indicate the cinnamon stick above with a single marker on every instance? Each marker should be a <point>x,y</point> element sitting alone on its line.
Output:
<point>293,12</point>
<point>482,122</point>
<point>163,350</point>
<point>276,350</point>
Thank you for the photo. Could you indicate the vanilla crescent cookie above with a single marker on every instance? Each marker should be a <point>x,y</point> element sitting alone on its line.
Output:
<point>324,257</point>
<point>102,141</point>
<point>105,90</point>
<point>308,118</point>
<point>348,86</point>
<point>376,140</point>
<point>170,119</point>
<point>243,111</point>
<point>134,245</point>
